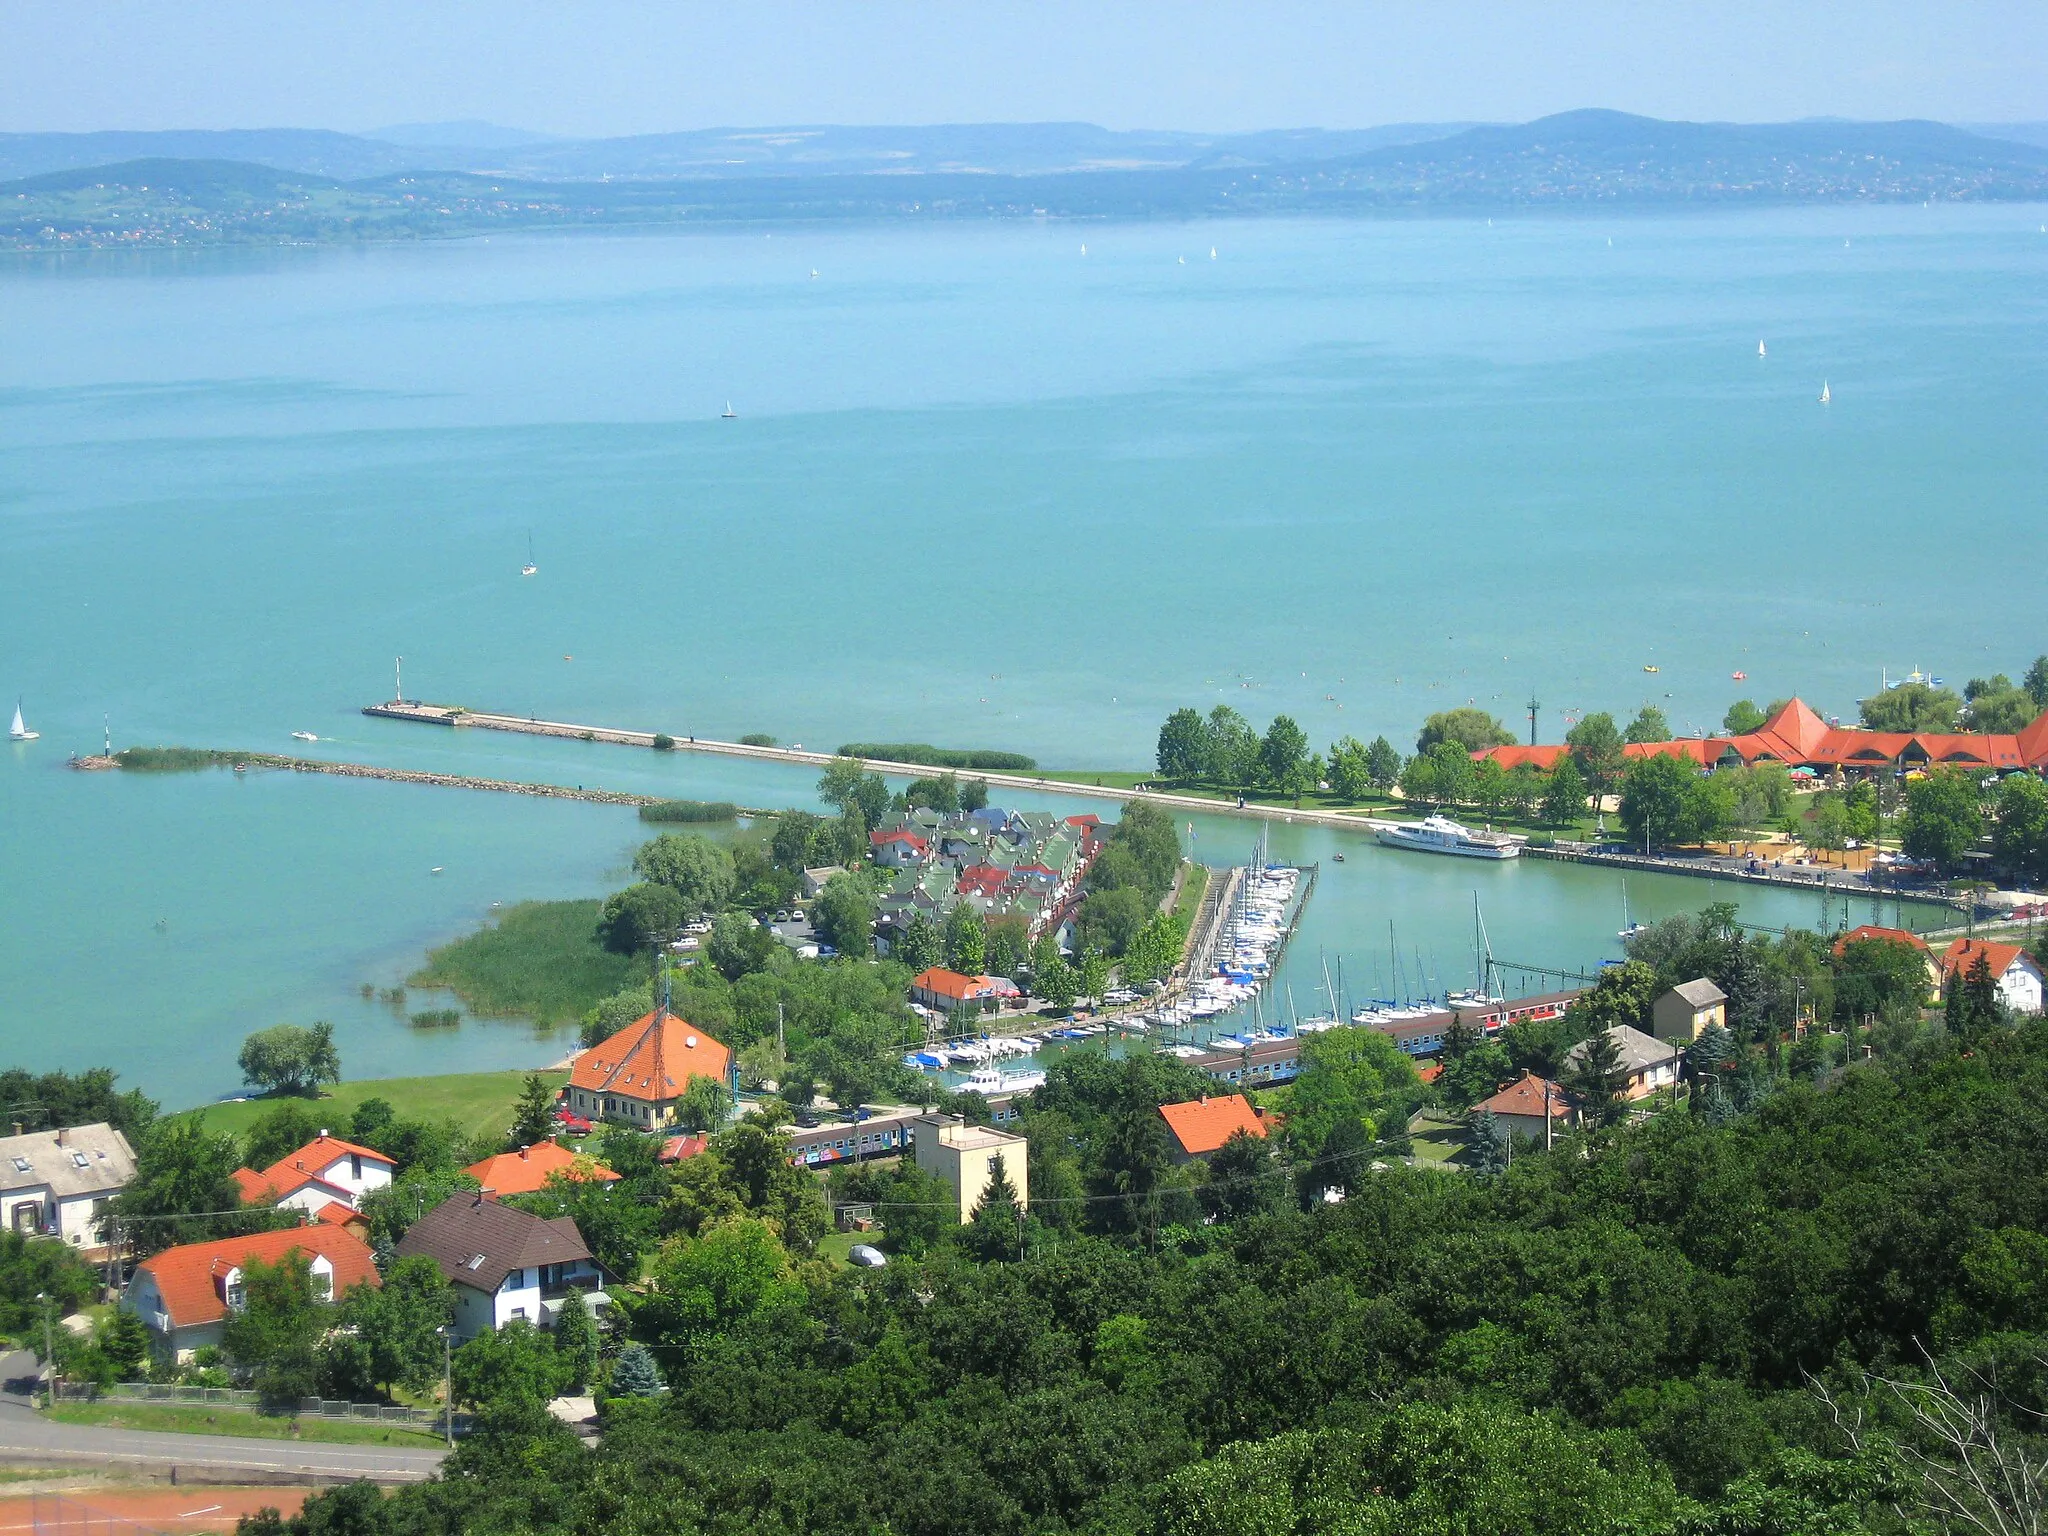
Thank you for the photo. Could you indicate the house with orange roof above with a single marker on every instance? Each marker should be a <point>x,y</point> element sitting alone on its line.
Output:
<point>2018,977</point>
<point>1799,738</point>
<point>637,1075</point>
<point>527,1170</point>
<point>949,991</point>
<point>1530,1105</point>
<point>185,1295</point>
<point>1872,933</point>
<point>325,1171</point>
<point>1201,1126</point>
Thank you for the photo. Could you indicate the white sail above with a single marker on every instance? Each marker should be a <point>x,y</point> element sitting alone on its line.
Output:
<point>1824,395</point>
<point>19,731</point>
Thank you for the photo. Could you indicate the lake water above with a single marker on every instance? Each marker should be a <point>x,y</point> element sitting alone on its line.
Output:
<point>982,490</point>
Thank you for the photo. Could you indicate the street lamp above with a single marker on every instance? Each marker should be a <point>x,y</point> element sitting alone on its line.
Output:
<point>447,1331</point>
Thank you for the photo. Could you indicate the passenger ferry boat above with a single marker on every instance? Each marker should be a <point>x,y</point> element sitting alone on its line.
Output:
<point>1439,834</point>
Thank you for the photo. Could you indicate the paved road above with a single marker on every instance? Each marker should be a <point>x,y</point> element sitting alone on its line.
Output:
<point>25,1432</point>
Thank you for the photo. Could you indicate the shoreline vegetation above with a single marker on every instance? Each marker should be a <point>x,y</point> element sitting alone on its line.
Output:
<point>540,960</point>
<point>925,755</point>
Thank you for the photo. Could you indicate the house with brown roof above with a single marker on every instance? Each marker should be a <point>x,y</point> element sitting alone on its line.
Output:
<point>2018,977</point>
<point>185,1295</point>
<point>637,1075</point>
<point>1529,1106</point>
<point>1872,933</point>
<point>528,1170</point>
<point>325,1171</point>
<point>1203,1125</point>
<point>1688,1011</point>
<point>1648,1065</point>
<point>506,1264</point>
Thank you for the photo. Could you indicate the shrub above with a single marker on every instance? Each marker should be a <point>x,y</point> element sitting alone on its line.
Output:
<point>689,811</point>
<point>757,739</point>
<point>929,756</point>
<point>663,742</point>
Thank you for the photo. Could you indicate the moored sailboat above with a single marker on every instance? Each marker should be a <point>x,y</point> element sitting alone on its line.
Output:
<point>19,731</point>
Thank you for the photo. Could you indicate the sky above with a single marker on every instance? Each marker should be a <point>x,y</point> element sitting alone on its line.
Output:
<point>590,70</point>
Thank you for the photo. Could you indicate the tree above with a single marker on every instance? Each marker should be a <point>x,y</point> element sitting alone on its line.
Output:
<point>1487,1145</point>
<point>123,1339</point>
<point>853,791</point>
<point>1943,819</point>
<point>844,915</point>
<point>1348,1074</point>
<point>280,1132</point>
<point>918,944</point>
<point>703,1105</point>
<point>738,946</point>
<point>1564,797</point>
<point>2035,683</point>
<point>1995,705</point>
<point>181,1170</point>
<point>1283,757</point>
<point>1052,978</point>
<point>533,1120</point>
<point>733,1278</point>
<point>1232,756</point>
<point>974,794</point>
<point>1827,825</point>
<point>506,1367</point>
<point>995,1228</point>
<point>274,1335</point>
<point>1911,707</point>
<point>695,868</point>
<point>1183,746</point>
<point>1743,717</point>
<point>938,792</point>
<point>288,1059</point>
<point>640,917</point>
<point>1111,920</point>
<point>966,939</point>
<point>1470,729</point>
<point>1094,974</point>
<point>393,1209</point>
<point>1006,945</point>
<point>398,1323</point>
<point>1664,799</point>
<point>1350,769</point>
<point>1594,1076</point>
<point>1446,775</point>
<point>1156,951</point>
<point>2020,836</point>
<point>575,1343</point>
<point>1649,725</point>
<point>1383,764</point>
<point>1874,976</point>
<point>635,1374</point>
<point>1240,1178</point>
<point>1596,746</point>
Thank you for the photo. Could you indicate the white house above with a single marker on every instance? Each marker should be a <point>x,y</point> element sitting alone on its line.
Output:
<point>185,1295</point>
<point>1648,1065</point>
<point>325,1171</point>
<point>505,1264</point>
<point>57,1183</point>
<point>2019,978</point>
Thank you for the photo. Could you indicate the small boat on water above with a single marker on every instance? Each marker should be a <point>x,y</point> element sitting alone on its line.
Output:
<point>992,1080</point>
<point>728,414</point>
<point>1338,857</point>
<point>19,731</point>
<point>1649,668</point>
<point>1439,834</point>
<point>529,568</point>
<point>1740,677</point>
<point>304,736</point>
<point>1760,350</point>
<point>1629,926</point>
<point>1825,396</point>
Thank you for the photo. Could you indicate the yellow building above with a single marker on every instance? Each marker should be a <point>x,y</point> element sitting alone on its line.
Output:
<point>965,1156</point>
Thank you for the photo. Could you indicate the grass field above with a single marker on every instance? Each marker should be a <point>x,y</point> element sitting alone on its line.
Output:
<point>540,961</point>
<point>236,1421</point>
<point>1438,1140</point>
<point>1189,902</point>
<point>480,1102</point>
<point>1103,778</point>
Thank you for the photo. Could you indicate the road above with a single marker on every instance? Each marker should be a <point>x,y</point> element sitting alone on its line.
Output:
<point>25,1433</point>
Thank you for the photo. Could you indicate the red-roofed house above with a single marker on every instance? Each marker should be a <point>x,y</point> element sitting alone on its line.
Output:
<point>899,849</point>
<point>678,1148</point>
<point>949,991</point>
<point>530,1168</point>
<point>2018,977</point>
<point>1201,1126</point>
<point>1872,933</point>
<point>1525,1105</point>
<point>1800,738</point>
<point>184,1295</point>
<point>980,880</point>
<point>637,1075</point>
<point>325,1171</point>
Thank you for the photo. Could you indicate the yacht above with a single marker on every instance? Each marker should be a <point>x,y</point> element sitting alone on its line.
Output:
<point>20,731</point>
<point>1825,396</point>
<point>304,736</point>
<point>728,414</point>
<point>530,569</point>
<point>992,1080</point>
<point>1439,834</point>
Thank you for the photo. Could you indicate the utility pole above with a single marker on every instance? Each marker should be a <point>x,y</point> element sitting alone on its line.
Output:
<point>49,1351</point>
<point>447,1384</point>
<point>1533,707</point>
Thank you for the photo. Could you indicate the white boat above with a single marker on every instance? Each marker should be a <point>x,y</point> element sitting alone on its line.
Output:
<point>304,736</point>
<point>728,414</point>
<point>20,731</point>
<point>1439,834</point>
<point>1824,395</point>
<point>990,1080</point>
<point>1760,350</point>
<point>1629,926</point>
<point>529,568</point>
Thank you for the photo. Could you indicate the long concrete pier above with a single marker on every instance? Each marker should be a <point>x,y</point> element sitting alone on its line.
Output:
<point>452,715</point>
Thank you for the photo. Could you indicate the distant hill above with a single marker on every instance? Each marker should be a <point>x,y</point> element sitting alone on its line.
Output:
<point>314,151</point>
<point>467,133</point>
<point>1576,159</point>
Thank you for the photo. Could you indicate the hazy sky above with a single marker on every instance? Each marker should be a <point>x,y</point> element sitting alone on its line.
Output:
<point>594,69</point>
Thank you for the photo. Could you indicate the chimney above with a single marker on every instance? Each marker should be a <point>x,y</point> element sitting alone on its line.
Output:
<point>61,1134</point>
<point>522,1154</point>
<point>17,1127</point>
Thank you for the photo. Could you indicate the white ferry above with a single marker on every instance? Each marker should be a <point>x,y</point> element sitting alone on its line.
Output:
<point>993,1080</point>
<point>1439,834</point>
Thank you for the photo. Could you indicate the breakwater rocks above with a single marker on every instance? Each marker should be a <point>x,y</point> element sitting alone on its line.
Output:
<point>272,762</point>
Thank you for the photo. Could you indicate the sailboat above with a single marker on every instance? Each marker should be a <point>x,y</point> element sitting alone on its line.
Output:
<point>529,568</point>
<point>1629,926</point>
<point>728,414</point>
<point>1824,395</point>
<point>1760,350</point>
<point>18,731</point>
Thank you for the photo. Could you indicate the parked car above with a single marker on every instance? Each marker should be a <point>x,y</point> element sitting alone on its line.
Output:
<point>867,1256</point>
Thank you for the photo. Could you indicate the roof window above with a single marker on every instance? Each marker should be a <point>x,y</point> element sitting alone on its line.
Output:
<point>21,1165</point>
<point>476,1262</point>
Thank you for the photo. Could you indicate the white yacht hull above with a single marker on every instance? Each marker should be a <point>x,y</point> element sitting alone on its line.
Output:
<point>1395,838</point>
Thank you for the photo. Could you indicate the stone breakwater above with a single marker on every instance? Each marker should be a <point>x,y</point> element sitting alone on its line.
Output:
<point>270,761</point>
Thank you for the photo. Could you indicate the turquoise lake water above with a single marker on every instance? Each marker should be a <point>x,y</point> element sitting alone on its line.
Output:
<point>983,490</point>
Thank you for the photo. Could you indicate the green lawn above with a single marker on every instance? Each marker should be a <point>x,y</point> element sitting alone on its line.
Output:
<point>1438,1140</point>
<point>1102,778</point>
<point>479,1102</point>
<point>199,1420</point>
<point>1189,902</point>
<point>834,1247</point>
<point>540,960</point>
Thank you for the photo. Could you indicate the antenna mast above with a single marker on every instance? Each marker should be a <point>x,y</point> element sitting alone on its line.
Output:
<point>1533,707</point>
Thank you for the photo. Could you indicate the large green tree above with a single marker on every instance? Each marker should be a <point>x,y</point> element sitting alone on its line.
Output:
<point>1743,717</point>
<point>1564,794</point>
<point>1912,707</point>
<point>1468,727</point>
<point>1284,758</point>
<point>1649,725</point>
<point>399,1323</point>
<point>288,1058</point>
<point>1943,818</point>
<point>1232,749</point>
<point>641,916</point>
<point>844,915</point>
<point>1183,746</point>
<point>2020,836</point>
<point>1596,746</point>
<point>695,868</point>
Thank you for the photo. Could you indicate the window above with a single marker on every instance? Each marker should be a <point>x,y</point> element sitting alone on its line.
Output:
<point>237,1297</point>
<point>355,1165</point>
<point>80,1160</point>
<point>475,1263</point>
<point>21,1165</point>
<point>323,1285</point>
